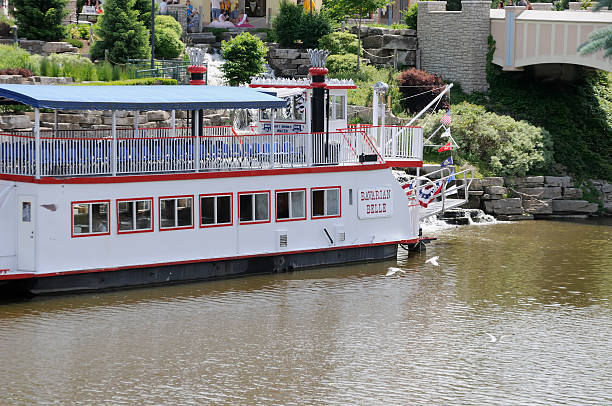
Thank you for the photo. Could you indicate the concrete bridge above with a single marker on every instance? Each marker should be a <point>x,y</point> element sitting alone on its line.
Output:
<point>541,36</point>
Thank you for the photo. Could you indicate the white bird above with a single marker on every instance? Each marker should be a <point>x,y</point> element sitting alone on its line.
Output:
<point>433,261</point>
<point>493,338</point>
<point>392,271</point>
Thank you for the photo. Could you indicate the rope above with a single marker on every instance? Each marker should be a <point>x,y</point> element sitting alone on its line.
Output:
<point>376,56</point>
<point>419,94</point>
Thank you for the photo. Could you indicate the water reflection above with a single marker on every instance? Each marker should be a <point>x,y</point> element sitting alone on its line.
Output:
<point>340,336</point>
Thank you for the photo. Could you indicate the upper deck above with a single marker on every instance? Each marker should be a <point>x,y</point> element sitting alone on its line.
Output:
<point>130,151</point>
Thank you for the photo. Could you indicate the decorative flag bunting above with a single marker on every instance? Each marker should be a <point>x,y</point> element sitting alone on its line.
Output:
<point>429,192</point>
<point>448,161</point>
<point>445,147</point>
<point>446,133</point>
<point>446,119</point>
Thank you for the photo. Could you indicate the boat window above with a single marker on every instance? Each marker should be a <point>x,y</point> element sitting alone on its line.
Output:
<point>295,110</point>
<point>135,215</point>
<point>326,202</point>
<point>254,207</point>
<point>291,205</point>
<point>338,111</point>
<point>215,210</point>
<point>175,213</point>
<point>90,218</point>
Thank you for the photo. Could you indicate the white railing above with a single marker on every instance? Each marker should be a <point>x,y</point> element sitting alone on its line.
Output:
<point>158,150</point>
<point>396,142</point>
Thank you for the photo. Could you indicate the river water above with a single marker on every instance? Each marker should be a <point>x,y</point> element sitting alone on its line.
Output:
<point>340,336</point>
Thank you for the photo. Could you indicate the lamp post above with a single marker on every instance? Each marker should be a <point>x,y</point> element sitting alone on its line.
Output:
<point>152,34</point>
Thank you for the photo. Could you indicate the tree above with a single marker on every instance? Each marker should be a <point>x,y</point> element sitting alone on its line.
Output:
<point>244,58</point>
<point>168,33</point>
<point>358,8</point>
<point>41,19</point>
<point>601,38</point>
<point>144,10</point>
<point>121,33</point>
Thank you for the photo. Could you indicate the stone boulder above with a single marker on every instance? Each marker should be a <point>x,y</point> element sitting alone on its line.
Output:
<point>11,122</point>
<point>58,48</point>
<point>537,207</point>
<point>373,41</point>
<point>572,193</point>
<point>399,42</point>
<point>573,206</point>
<point>11,79</point>
<point>504,206</point>
<point>564,181</point>
<point>541,192</point>
<point>528,181</point>
<point>157,115</point>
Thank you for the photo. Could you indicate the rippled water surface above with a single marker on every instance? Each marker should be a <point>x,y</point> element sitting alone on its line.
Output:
<point>340,336</point>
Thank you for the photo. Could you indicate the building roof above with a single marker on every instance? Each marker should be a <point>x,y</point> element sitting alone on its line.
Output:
<point>139,97</point>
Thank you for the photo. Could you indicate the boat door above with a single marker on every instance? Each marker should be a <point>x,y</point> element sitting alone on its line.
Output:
<point>26,218</point>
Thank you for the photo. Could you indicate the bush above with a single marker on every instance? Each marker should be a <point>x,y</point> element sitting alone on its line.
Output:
<point>41,20</point>
<point>168,22</point>
<point>167,43</point>
<point>340,64</point>
<point>121,33</point>
<point>244,58</point>
<point>410,17</point>
<point>130,82</point>
<point>498,145</point>
<point>14,57</point>
<point>339,43</point>
<point>418,87</point>
<point>286,23</point>
<point>26,73</point>
<point>312,27</point>
<point>74,42</point>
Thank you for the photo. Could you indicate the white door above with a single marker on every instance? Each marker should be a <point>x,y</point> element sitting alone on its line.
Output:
<point>26,218</point>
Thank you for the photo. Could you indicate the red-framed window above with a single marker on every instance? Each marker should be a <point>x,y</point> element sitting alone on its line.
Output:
<point>254,207</point>
<point>326,202</point>
<point>175,212</point>
<point>89,218</point>
<point>216,210</point>
<point>290,204</point>
<point>135,215</point>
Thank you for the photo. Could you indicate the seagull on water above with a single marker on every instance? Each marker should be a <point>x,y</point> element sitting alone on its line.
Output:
<point>495,339</point>
<point>392,271</point>
<point>433,261</point>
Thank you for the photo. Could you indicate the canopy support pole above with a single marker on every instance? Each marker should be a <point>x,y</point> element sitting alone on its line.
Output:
<point>272,143</point>
<point>196,148</point>
<point>114,147</point>
<point>136,124</point>
<point>37,141</point>
<point>173,123</point>
<point>56,125</point>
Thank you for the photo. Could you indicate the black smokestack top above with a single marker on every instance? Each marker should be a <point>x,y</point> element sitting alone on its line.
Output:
<point>317,73</point>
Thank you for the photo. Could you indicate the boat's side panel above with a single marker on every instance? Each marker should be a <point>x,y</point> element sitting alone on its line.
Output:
<point>8,228</point>
<point>58,251</point>
<point>205,270</point>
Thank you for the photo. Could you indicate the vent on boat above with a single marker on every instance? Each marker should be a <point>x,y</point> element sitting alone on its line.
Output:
<point>341,236</point>
<point>282,241</point>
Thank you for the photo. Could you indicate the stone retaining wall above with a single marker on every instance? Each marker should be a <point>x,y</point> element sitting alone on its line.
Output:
<point>385,46</point>
<point>535,197</point>
<point>288,62</point>
<point>42,47</point>
<point>454,44</point>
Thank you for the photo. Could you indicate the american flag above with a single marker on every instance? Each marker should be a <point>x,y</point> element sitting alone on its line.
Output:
<point>446,119</point>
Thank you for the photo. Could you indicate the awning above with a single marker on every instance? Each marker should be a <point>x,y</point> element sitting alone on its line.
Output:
<point>282,91</point>
<point>183,97</point>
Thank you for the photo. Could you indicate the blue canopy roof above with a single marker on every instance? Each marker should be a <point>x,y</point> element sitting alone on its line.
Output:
<point>140,97</point>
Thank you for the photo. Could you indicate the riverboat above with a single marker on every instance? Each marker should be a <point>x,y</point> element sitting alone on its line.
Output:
<point>125,207</point>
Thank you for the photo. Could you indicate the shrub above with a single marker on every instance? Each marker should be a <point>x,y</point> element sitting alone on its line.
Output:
<point>339,43</point>
<point>339,64</point>
<point>418,87</point>
<point>130,82</point>
<point>498,145</point>
<point>410,17</point>
<point>286,23</point>
<point>14,57</point>
<point>168,22</point>
<point>74,42</point>
<point>41,20</point>
<point>311,28</point>
<point>121,33</point>
<point>167,43</point>
<point>26,73</point>
<point>244,58</point>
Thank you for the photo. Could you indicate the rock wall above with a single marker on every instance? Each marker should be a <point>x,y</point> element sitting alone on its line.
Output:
<point>386,47</point>
<point>42,47</point>
<point>532,197</point>
<point>454,44</point>
<point>288,62</point>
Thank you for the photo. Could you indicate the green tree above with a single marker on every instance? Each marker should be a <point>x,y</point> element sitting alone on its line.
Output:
<point>601,38</point>
<point>168,33</point>
<point>144,12</point>
<point>286,24</point>
<point>40,19</point>
<point>244,58</point>
<point>121,33</point>
<point>357,8</point>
